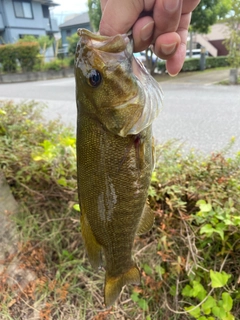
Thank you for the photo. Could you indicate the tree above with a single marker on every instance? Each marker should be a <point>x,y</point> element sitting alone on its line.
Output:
<point>44,42</point>
<point>207,13</point>
<point>233,42</point>
<point>72,43</point>
<point>95,13</point>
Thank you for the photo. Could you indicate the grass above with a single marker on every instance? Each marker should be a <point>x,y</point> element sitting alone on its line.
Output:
<point>226,82</point>
<point>196,204</point>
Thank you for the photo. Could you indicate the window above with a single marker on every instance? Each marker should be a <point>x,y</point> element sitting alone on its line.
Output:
<point>23,9</point>
<point>45,11</point>
<point>68,32</point>
<point>21,36</point>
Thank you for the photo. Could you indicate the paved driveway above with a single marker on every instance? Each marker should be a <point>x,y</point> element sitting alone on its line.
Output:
<point>201,114</point>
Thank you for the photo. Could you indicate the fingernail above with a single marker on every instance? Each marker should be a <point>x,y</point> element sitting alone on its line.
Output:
<point>172,75</point>
<point>147,31</point>
<point>168,49</point>
<point>171,5</point>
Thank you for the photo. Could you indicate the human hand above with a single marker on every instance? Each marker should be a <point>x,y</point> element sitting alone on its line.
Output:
<point>163,23</point>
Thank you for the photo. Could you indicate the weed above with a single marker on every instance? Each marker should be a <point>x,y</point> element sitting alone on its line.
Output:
<point>189,260</point>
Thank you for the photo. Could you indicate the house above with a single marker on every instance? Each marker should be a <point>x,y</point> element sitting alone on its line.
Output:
<point>70,26</point>
<point>26,17</point>
<point>214,40</point>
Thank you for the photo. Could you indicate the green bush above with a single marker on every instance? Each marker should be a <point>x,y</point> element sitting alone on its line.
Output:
<point>39,63</point>
<point>189,260</point>
<point>72,61</point>
<point>72,43</point>
<point>216,62</point>
<point>197,203</point>
<point>27,53</point>
<point>8,58</point>
<point>161,65</point>
<point>193,64</point>
<point>24,53</point>
<point>56,64</point>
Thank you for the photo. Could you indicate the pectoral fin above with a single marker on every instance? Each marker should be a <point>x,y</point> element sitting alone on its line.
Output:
<point>146,221</point>
<point>113,285</point>
<point>119,120</point>
<point>92,247</point>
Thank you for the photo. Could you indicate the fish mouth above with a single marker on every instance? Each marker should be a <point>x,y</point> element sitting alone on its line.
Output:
<point>114,44</point>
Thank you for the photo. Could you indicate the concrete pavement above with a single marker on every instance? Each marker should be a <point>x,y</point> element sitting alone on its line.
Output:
<point>207,77</point>
<point>202,115</point>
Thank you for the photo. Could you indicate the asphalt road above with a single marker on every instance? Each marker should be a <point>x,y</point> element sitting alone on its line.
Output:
<point>197,112</point>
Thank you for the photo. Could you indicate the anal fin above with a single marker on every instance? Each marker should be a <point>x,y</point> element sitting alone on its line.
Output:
<point>93,248</point>
<point>114,285</point>
<point>146,221</point>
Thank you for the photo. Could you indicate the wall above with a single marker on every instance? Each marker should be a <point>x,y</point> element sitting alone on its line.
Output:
<point>36,26</point>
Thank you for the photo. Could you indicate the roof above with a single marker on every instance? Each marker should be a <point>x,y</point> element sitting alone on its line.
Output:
<point>49,3</point>
<point>79,19</point>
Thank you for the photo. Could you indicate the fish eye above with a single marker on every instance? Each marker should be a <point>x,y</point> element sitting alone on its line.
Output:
<point>94,78</point>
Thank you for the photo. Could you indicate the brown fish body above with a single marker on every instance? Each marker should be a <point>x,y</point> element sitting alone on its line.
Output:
<point>114,158</point>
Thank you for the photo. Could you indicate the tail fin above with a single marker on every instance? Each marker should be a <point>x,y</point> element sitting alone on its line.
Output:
<point>113,285</point>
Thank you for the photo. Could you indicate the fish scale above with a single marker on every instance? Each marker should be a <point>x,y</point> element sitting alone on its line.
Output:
<point>114,154</point>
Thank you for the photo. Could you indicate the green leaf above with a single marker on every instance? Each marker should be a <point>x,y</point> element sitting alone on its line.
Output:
<point>62,181</point>
<point>196,312</point>
<point>200,202</point>
<point>143,304</point>
<point>229,316</point>
<point>198,289</point>
<point>207,229</point>
<point>76,207</point>
<point>154,177</point>
<point>208,305</point>
<point>147,269</point>
<point>134,296</point>
<point>160,270</point>
<point>2,112</point>
<point>202,318</point>
<point>220,228</point>
<point>219,312</point>
<point>227,301</point>
<point>204,207</point>
<point>187,291</point>
<point>219,279</point>
<point>173,290</point>
<point>37,158</point>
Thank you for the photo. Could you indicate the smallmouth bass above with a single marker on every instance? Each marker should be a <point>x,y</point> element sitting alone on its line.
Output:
<point>117,101</point>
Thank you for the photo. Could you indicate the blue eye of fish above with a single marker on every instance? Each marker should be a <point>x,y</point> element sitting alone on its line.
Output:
<point>94,78</point>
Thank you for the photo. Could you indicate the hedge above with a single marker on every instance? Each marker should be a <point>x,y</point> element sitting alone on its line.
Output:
<point>27,53</point>
<point>8,58</point>
<point>193,64</point>
<point>24,54</point>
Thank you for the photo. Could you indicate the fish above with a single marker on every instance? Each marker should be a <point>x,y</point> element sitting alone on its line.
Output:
<point>117,101</point>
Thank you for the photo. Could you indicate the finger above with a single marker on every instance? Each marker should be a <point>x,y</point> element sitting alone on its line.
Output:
<point>142,33</point>
<point>166,45</point>
<point>119,16</point>
<point>166,16</point>
<point>189,5</point>
<point>103,4</point>
<point>175,63</point>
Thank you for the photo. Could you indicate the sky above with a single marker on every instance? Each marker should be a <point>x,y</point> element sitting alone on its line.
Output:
<point>70,6</point>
